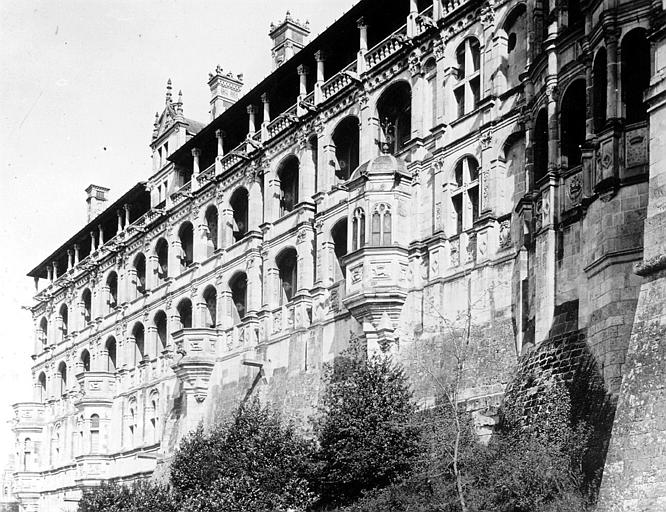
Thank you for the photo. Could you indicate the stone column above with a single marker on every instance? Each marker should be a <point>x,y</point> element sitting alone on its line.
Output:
<point>320,57</point>
<point>251,120</point>
<point>226,215</point>
<point>412,29</point>
<point>93,242</point>
<point>363,45</point>
<point>175,253</point>
<point>200,239</point>
<point>306,180</point>
<point>255,205</point>
<point>70,259</point>
<point>304,250</point>
<point>225,305</point>
<point>100,231</point>
<point>196,154</point>
<point>119,216</point>
<point>267,116</point>
<point>254,291</point>
<point>219,135</point>
<point>418,93</point>
<point>303,73</point>
<point>131,284</point>
<point>613,103</point>
<point>272,196</point>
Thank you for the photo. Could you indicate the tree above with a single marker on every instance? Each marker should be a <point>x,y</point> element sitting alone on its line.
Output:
<point>365,430</point>
<point>140,497</point>
<point>253,462</point>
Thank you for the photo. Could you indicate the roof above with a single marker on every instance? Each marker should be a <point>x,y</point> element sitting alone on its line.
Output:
<point>282,85</point>
<point>137,197</point>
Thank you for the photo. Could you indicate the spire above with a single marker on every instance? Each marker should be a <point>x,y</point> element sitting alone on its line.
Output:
<point>156,124</point>
<point>179,105</point>
<point>168,91</point>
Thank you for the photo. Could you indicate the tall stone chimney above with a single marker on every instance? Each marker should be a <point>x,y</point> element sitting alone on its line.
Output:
<point>96,200</point>
<point>225,89</point>
<point>288,36</point>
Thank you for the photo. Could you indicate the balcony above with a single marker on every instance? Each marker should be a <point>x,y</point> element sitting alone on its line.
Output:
<point>97,388</point>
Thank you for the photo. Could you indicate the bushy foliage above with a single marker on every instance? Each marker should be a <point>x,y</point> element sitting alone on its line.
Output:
<point>140,497</point>
<point>366,433</point>
<point>254,462</point>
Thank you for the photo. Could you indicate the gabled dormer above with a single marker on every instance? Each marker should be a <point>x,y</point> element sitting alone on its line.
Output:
<point>170,131</point>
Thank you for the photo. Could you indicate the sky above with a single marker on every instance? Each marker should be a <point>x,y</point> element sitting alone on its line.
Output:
<point>81,82</point>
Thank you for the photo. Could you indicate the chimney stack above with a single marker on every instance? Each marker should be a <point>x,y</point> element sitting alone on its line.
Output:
<point>288,36</point>
<point>225,90</point>
<point>96,200</point>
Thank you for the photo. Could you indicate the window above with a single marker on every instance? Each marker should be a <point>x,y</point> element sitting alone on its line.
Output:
<point>467,91</point>
<point>153,419</point>
<point>62,372</point>
<point>288,176</point>
<point>573,122</point>
<point>138,333</point>
<point>635,74</point>
<point>540,146</point>
<point>110,347</point>
<point>43,331</point>
<point>238,287</point>
<point>599,90</point>
<point>210,298</point>
<point>358,229</point>
<point>211,224</point>
<point>465,196</point>
<point>85,360</point>
<point>394,109</point>
<point>184,309</point>
<point>381,225</point>
<point>339,236</point>
<point>287,268</point>
<point>162,253</point>
<point>112,286</point>
<point>239,203</point>
<point>140,269</point>
<point>94,433</point>
<point>161,327</point>
<point>64,320</point>
<point>41,387</point>
<point>346,140</point>
<point>186,236</point>
<point>131,424</point>
<point>86,297</point>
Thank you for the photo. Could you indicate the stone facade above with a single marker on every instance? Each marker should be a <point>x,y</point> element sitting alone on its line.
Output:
<point>461,172</point>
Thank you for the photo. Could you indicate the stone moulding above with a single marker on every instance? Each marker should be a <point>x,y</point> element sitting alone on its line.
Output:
<point>651,265</point>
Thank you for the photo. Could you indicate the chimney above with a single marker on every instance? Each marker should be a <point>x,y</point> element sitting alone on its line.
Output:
<point>288,36</point>
<point>96,200</point>
<point>225,90</point>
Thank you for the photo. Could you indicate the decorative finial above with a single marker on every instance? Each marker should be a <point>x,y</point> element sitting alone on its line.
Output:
<point>288,17</point>
<point>157,118</point>
<point>168,91</point>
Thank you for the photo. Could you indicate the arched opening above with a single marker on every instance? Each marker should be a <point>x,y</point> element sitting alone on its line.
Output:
<point>110,347</point>
<point>599,90</point>
<point>467,91</point>
<point>140,268</point>
<point>41,387</point>
<point>211,224</point>
<point>64,320</point>
<point>94,433</point>
<point>573,123</point>
<point>358,229</point>
<point>635,74</point>
<point>162,253</point>
<point>394,109</point>
<point>540,146</point>
<point>288,175</point>
<point>43,332</point>
<point>287,263</point>
<point>161,327</point>
<point>62,370</point>
<point>131,424</point>
<point>85,360</point>
<point>239,204</point>
<point>346,140</point>
<point>465,197</point>
<point>238,287</point>
<point>27,454</point>
<point>210,300</point>
<point>339,236</point>
<point>184,309</point>
<point>186,237</point>
<point>86,298</point>
<point>112,285</point>
<point>153,415</point>
<point>516,54</point>
<point>138,333</point>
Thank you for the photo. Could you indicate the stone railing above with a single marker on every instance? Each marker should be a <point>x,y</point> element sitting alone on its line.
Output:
<point>384,49</point>
<point>233,157</point>
<point>337,82</point>
<point>282,122</point>
<point>206,175</point>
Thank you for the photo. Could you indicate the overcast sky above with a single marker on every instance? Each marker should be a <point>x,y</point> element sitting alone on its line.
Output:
<point>81,82</point>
